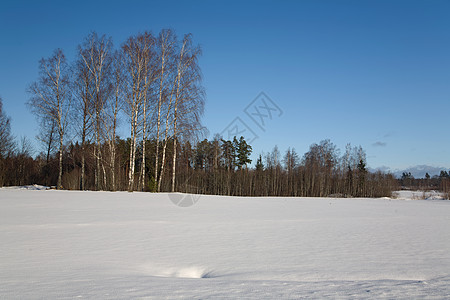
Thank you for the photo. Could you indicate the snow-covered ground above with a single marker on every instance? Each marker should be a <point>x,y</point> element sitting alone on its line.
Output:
<point>419,195</point>
<point>102,245</point>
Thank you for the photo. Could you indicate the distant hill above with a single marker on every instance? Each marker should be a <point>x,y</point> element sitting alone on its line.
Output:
<point>418,171</point>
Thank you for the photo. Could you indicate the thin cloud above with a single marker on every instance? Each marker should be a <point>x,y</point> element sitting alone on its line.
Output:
<point>389,134</point>
<point>379,144</point>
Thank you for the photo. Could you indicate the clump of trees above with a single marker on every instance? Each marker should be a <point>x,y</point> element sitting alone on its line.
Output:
<point>17,167</point>
<point>152,82</point>
<point>6,143</point>
<point>6,139</point>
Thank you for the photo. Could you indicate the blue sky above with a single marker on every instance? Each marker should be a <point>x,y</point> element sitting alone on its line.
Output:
<point>370,73</point>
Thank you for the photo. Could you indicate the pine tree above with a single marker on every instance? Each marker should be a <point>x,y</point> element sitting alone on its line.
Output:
<point>229,153</point>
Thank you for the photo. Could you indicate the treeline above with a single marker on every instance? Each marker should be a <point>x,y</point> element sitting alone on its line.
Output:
<point>215,166</point>
<point>221,168</point>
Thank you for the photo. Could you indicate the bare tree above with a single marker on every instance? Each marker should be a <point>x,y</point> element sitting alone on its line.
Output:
<point>290,162</point>
<point>150,71</point>
<point>83,108</point>
<point>6,139</point>
<point>189,96</point>
<point>97,55</point>
<point>320,162</point>
<point>51,98</point>
<point>47,137</point>
<point>137,52</point>
<point>353,157</point>
<point>165,44</point>
<point>114,108</point>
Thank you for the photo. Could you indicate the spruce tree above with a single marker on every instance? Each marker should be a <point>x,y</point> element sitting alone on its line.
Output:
<point>243,152</point>
<point>259,164</point>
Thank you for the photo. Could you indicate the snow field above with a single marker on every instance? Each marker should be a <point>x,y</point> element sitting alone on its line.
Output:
<point>103,245</point>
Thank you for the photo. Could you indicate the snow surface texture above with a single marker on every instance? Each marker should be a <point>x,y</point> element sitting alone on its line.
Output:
<point>103,245</point>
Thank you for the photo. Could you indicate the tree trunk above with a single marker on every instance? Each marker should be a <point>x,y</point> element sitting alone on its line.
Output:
<point>60,163</point>
<point>174,162</point>
<point>144,137</point>
<point>132,153</point>
<point>158,123</point>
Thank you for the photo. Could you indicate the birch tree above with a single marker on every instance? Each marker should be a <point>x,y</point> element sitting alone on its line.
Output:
<point>189,96</point>
<point>137,51</point>
<point>114,109</point>
<point>165,45</point>
<point>97,54</point>
<point>83,108</point>
<point>51,98</point>
<point>150,71</point>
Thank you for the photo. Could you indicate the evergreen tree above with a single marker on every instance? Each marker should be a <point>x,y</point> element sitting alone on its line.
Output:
<point>229,154</point>
<point>444,174</point>
<point>259,164</point>
<point>361,177</point>
<point>243,152</point>
<point>362,167</point>
<point>201,155</point>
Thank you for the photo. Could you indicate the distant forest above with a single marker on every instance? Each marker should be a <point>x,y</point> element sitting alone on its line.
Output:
<point>439,182</point>
<point>153,83</point>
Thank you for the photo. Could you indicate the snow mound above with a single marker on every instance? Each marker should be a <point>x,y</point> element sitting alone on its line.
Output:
<point>179,272</point>
<point>33,187</point>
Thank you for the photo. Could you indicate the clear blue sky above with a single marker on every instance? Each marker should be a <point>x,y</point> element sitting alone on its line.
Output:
<point>372,73</point>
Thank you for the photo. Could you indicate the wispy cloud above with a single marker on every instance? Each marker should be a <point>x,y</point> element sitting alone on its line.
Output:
<point>379,144</point>
<point>389,134</point>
